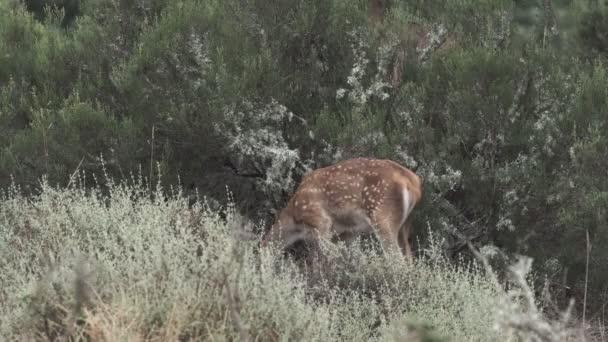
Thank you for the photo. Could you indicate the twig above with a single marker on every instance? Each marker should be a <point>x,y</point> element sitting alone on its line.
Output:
<point>586,277</point>
<point>46,146</point>
<point>74,173</point>
<point>437,36</point>
<point>550,23</point>
<point>151,158</point>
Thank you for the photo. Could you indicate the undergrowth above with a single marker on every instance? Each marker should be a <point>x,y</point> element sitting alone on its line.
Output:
<point>131,265</point>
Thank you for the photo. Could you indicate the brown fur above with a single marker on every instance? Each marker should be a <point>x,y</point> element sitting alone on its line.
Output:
<point>348,198</point>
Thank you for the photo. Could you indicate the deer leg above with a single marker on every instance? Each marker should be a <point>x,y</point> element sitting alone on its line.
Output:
<point>388,239</point>
<point>404,234</point>
<point>387,234</point>
<point>319,228</point>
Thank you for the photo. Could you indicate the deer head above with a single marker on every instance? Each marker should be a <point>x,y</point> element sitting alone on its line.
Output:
<point>349,198</point>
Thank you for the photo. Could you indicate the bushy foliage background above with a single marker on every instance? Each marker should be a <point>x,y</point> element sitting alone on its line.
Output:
<point>500,106</point>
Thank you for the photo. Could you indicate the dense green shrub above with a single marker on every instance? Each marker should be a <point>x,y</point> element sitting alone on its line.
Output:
<point>499,105</point>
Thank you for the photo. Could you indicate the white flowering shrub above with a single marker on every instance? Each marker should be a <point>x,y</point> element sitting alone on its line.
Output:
<point>256,141</point>
<point>359,94</point>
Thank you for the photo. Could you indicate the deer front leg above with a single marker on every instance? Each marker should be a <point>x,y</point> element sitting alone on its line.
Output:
<point>319,226</point>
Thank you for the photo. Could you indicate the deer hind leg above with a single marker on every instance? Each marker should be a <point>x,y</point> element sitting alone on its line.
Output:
<point>404,235</point>
<point>386,229</point>
<point>392,223</point>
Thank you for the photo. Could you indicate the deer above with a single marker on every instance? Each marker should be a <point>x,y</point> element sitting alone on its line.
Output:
<point>347,199</point>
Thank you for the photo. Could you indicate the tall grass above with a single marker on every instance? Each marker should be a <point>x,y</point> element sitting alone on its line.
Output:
<point>129,265</point>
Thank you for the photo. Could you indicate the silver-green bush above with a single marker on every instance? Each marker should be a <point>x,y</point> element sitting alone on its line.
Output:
<point>134,265</point>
